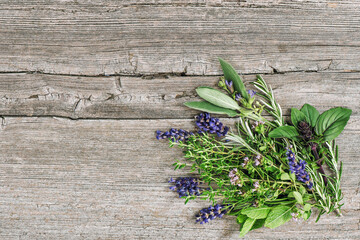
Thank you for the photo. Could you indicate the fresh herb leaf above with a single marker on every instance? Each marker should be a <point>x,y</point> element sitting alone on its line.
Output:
<point>331,122</point>
<point>256,213</point>
<point>297,116</point>
<point>284,131</point>
<point>217,98</point>
<point>241,218</point>
<point>278,216</point>
<point>246,227</point>
<point>211,108</point>
<point>231,75</point>
<point>311,113</point>
<point>298,197</point>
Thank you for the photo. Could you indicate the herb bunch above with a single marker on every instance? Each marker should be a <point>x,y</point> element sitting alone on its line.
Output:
<point>264,171</point>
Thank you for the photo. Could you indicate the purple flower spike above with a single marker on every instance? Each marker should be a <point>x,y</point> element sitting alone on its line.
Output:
<point>186,186</point>
<point>211,125</point>
<point>238,96</point>
<point>175,135</point>
<point>251,93</point>
<point>298,167</point>
<point>210,213</point>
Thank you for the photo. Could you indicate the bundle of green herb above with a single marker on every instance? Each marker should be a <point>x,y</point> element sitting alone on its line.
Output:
<point>267,171</point>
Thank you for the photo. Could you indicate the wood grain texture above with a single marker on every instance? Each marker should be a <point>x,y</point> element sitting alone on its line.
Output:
<point>158,97</point>
<point>184,37</point>
<point>64,179</point>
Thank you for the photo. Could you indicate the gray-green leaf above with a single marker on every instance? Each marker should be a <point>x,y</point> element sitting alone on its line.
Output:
<point>284,131</point>
<point>231,74</point>
<point>331,122</point>
<point>278,216</point>
<point>311,113</point>
<point>297,116</point>
<point>210,108</point>
<point>256,213</point>
<point>246,227</point>
<point>217,98</point>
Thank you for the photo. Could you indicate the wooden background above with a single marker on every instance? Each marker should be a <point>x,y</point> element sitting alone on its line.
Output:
<point>84,85</point>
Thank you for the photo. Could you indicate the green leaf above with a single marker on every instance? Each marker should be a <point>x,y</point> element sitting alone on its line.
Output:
<point>297,116</point>
<point>307,207</point>
<point>298,197</point>
<point>241,218</point>
<point>331,122</point>
<point>258,224</point>
<point>278,216</point>
<point>284,131</point>
<point>302,190</point>
<point>311,113</point>
<point>217,98</point>
<point>231,74</point>
<point>256,213</point>
<point>246,227</point>
<point>210,108</point>
<point>285,176</point>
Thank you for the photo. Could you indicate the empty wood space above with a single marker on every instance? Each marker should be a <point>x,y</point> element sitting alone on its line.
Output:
<point>84,85</point>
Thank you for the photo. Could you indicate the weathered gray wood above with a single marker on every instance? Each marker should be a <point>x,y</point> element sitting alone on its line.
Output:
<point>159,97</point>
<point>107,179</point>
<point>130,37</point>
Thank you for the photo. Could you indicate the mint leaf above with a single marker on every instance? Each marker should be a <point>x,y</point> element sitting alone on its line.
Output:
<point>278,216</point>
<point>311,113</point>
<point>210,108</point>
<point>284,131</point>
<point>258,224</point>
<point>231,74</point>
<point>331,122</point>
<point>297,116</point>
<point>217,98</point>
<point>241,218</point>
<point>256,213</point>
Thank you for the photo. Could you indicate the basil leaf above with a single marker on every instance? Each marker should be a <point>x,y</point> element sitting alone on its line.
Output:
<point>278,216</point>
<point>217,98</point>
<point>297,116</point>
<point>284,131</point>
<point>311,113</point>
<point>210,108</point>
<point>231,74</point>
<point>298,197</point>
<point>331,122</point>
<point>246,227</point>
<point>256,213</point>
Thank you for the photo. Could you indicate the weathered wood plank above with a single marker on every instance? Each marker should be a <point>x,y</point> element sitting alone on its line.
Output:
<point>107,179</point>
<point>159,97</point>
<point>130,37</point>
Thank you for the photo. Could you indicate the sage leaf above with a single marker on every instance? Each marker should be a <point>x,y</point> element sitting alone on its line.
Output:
<point>297,116</point>
<point>210,108</point>
<point>217,98</point>
<point>278,216</point>
<point>246,227</point>
<point>331,122</point>
<point>284,131</point>
<point>256,213</point>
<point>311,113</point>
<point>231,74</point>
<point>298,197</point>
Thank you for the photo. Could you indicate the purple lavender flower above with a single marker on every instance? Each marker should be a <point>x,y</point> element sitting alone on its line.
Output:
<point>211,125</point>
<point>210,213</point>
<point>186,186</point>
<point>237,96</point>
<point>175,135</point>
<point>251,93</point>
<point>229,85</point>
<point>298,167</point>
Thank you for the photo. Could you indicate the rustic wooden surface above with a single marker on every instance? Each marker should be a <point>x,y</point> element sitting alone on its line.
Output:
<point>84,85</point>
